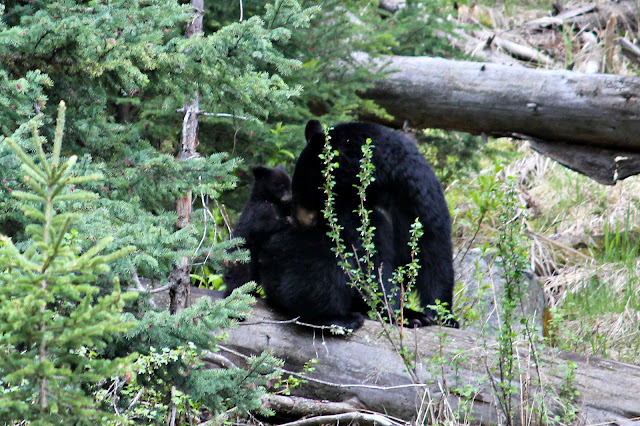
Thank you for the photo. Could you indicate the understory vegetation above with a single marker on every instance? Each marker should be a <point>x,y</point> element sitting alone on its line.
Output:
<point>88,219</point>
<point>583,237</point>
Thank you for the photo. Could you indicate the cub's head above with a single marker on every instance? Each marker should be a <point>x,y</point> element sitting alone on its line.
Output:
<point>271,184</point>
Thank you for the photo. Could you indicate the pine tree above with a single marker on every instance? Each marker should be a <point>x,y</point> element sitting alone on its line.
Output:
<point>49,313</point>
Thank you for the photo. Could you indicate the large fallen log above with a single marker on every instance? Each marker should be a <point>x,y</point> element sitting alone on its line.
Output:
<point>595,111</point>
<point>365,368</point>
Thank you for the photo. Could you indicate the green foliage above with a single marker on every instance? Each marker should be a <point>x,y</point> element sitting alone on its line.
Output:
<point>145,403</point>
<point>193,324</point>
<point>124,69</point>
<point>453,155</point>
<point>208,279</point>
<point>285,385</point>
<point>621,241</point>
<point>103,56</point>
<point>414,29</point>
<point>52,314</point>
<point>358,267</point>
<point>599,304</point>
<point>568,394</point>
<point>49,312</point>
<point>595,292</point>
<point>330,75</point>
<point>496,207</point>
<point>178,367</point>
<point>487,198</point>
<point>513,261</point>
<point>147,220</point>
<point>361,270</point>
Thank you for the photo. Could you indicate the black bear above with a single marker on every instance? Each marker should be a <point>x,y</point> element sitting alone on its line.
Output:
<point>405,188</point>
<point>301,277</point>
<point>267,211</point>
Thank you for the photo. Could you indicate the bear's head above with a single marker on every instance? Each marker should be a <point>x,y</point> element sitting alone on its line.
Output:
<point>308,180</point>
<point>271,184</point>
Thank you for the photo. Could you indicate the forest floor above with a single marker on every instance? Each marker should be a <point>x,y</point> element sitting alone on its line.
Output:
<point>583,237</point>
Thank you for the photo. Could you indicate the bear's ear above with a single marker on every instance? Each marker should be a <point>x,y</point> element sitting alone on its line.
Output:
<point>313,128</point>
<point>260,172</point>
<point>281,167</point>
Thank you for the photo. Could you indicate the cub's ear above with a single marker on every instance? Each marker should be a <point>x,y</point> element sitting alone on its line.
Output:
<point>281,167</point>
<point>313,129</point>
<point>260,171</point>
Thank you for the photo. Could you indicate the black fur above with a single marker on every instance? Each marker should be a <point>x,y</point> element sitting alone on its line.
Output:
<point>405,188</point>
<point>301,276</point>
<point>267,211</point>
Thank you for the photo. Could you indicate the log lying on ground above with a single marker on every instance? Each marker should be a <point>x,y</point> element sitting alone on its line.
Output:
<point>365,368</point>
<point>593,16</point>
<point>554,106</point>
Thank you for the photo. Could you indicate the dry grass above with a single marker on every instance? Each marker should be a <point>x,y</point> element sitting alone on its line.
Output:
<point>590,278</point>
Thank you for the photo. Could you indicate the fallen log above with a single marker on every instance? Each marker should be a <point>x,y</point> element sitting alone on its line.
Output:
<point>629,49</point>
<point>605,166</point>
<point>519,51</point>
<point>601,110</point>
<point>554,106</point>
<point>594,17</point>
<point>365,371</point>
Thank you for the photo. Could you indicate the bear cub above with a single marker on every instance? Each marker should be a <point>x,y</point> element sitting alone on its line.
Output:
<point>267,211</point>
<point>301,277</point>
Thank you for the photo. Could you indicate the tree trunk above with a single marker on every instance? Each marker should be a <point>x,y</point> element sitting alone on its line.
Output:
<point>180,280</point>
<point>597,112</point>
<point>365,368</point>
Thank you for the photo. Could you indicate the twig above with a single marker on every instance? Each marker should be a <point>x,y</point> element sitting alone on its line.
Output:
<point>160,289</point>
<point>204,221</point>
<point>213,114</point>
<point>297,406</point>
<point>217,359</point>
<point>171,421</point>
<point>135,399</point>
<point>517,50</point>
<point>348,418</point>
<point>331,328</point>
<point>629,49</point>
<point>289,321</point>
<point>223,211</point>
<point>561,18</point>
<point>559,245</point>
<point>139,287</point>
<point>609,32</point>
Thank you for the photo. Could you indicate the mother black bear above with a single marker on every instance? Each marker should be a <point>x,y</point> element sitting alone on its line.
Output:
<point>405,188</point>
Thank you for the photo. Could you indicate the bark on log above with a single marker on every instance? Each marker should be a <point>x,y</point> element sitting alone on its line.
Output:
<point>364,368</point>
<point>602,165</point>
<point>555,106</point>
